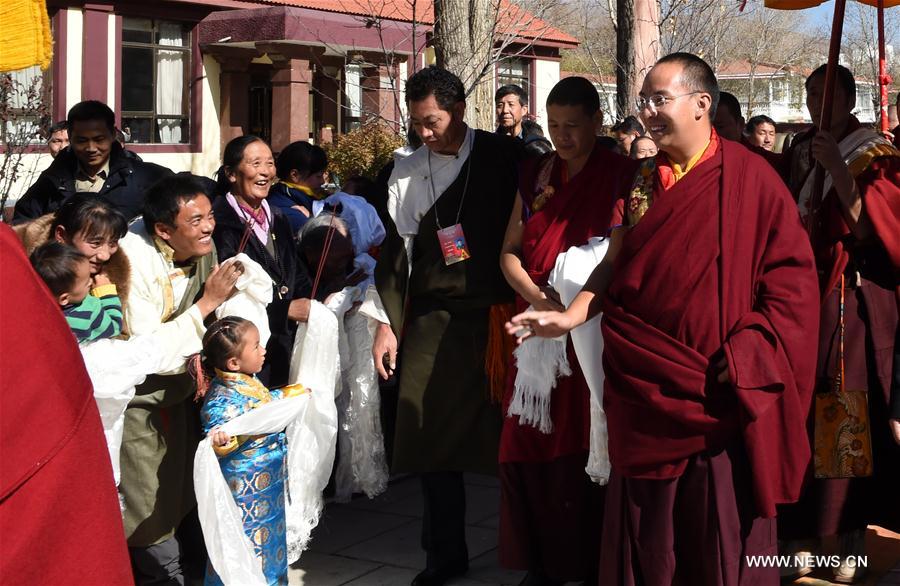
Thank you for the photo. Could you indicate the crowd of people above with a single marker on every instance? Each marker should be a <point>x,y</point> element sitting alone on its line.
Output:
<point>739,396</point>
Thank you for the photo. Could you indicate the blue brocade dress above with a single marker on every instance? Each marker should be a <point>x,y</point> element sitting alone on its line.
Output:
<point>254,468</point>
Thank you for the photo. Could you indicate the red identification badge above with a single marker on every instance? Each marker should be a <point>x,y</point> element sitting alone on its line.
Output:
<point>453,244</point>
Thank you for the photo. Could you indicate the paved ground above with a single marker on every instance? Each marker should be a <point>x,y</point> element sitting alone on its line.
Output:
<point>376,542</point>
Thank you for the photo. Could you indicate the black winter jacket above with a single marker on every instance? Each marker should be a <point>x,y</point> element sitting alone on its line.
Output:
<point>128,178</point>
<point>286,272</point>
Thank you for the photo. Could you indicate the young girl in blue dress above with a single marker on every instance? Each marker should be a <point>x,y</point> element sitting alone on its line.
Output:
<point>253,466</point>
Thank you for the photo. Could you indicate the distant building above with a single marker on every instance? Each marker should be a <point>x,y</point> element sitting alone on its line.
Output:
<point>778,92</point>
<point>186,76</point>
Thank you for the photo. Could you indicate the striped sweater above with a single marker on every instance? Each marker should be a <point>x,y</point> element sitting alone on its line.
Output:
<point>98,317</point>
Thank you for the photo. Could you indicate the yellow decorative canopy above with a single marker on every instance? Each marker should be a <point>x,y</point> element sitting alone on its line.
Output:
<point>24,34</point>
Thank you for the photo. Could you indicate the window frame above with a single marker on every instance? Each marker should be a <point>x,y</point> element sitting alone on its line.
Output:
<point>530,72</point>
<point>194,83</point>
<point>47,96</point>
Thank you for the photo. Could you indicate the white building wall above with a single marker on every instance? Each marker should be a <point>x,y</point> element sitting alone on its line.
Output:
<point>112,56</point>
<point>546,75</point>
<point>74,49</point>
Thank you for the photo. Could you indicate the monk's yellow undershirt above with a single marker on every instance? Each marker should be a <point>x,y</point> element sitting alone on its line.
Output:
<point>679,172</point>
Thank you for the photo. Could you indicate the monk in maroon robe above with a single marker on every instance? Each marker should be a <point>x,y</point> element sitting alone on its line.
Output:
<point>58,505</point>
<point>706,293</point>
<point>551,512</point>
<point>856,240</point>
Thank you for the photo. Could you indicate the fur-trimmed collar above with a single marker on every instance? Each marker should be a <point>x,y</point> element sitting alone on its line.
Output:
<point>37,232</point>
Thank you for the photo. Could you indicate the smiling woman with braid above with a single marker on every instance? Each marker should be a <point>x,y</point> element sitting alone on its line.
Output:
<point>246,223</point>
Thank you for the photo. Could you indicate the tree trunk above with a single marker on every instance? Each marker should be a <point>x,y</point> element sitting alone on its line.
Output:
<point>625,74</point>
<point>646,39</point>
<point>463,41</point>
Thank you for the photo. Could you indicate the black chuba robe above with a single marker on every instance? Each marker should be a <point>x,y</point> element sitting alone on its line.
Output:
<point>446,420</point>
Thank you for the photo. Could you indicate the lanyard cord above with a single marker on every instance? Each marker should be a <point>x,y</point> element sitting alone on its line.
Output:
<point>332,227</point>
<point>434,195</point>
<point>245,239</point>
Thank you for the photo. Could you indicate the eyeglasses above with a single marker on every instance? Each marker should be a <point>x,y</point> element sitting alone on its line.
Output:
<point>656,102</point>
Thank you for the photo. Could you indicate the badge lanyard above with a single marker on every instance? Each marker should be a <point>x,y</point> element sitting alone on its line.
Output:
<point>452,239</point>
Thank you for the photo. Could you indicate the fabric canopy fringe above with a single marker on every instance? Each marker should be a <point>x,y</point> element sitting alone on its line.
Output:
<point>25,38</point>
<point>500,347</point>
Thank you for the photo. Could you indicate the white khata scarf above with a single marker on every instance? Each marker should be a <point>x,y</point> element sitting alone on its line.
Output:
<point>542,361</point>
<point>310,424</point>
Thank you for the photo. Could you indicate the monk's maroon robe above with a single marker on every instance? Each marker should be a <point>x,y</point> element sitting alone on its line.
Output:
<point>872,277</point>
<point>551,512</point>
<point>718,266</point>
<point>58,505</point>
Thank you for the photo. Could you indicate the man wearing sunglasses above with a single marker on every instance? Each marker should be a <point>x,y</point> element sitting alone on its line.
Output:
<point>709,299</point>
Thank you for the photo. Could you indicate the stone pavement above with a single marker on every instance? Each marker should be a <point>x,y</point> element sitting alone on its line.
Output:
<point>377,542</point>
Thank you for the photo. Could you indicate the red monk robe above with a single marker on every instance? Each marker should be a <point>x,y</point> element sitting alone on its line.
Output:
<point>718,264</point>
<point>551,512</point>
<point>58,505</point>
<point>872,282</point>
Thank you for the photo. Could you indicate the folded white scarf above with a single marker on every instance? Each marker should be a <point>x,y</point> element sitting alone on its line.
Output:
<point>571,272</point>
<point>116,367</point>
<point>254,293</point>
<point>542,361</point>
<point>310,421</point>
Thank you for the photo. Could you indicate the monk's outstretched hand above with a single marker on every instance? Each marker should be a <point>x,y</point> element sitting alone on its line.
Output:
<point>895,429</point>
<point>545,324</point>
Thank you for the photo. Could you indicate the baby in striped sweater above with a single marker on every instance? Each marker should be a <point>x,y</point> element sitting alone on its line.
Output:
<point>91,305</point>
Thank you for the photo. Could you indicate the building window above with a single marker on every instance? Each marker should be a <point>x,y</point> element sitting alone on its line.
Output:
<point>515,71</point>
<point>353,90</point>
<point>24,106</point>
<point>780,91</point>
<point>156,91</point>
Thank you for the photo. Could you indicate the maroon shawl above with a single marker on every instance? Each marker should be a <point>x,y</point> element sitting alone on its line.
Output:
<point>754,302</point>
<point>579,209</point>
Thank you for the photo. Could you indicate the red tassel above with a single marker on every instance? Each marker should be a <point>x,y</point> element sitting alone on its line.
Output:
<point>499,351</point>
<point>200,377</point>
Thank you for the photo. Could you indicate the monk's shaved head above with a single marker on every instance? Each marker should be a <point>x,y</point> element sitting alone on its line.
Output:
<point>696,76</point>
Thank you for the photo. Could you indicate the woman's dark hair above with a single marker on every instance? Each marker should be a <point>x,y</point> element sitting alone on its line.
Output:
<point>361,186</point>
<point>91,214</point>
<point>57,265</point>
<point>306,158</point>
<point>447,89</point>
<point>231,158</point>
<point>164,198</point>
